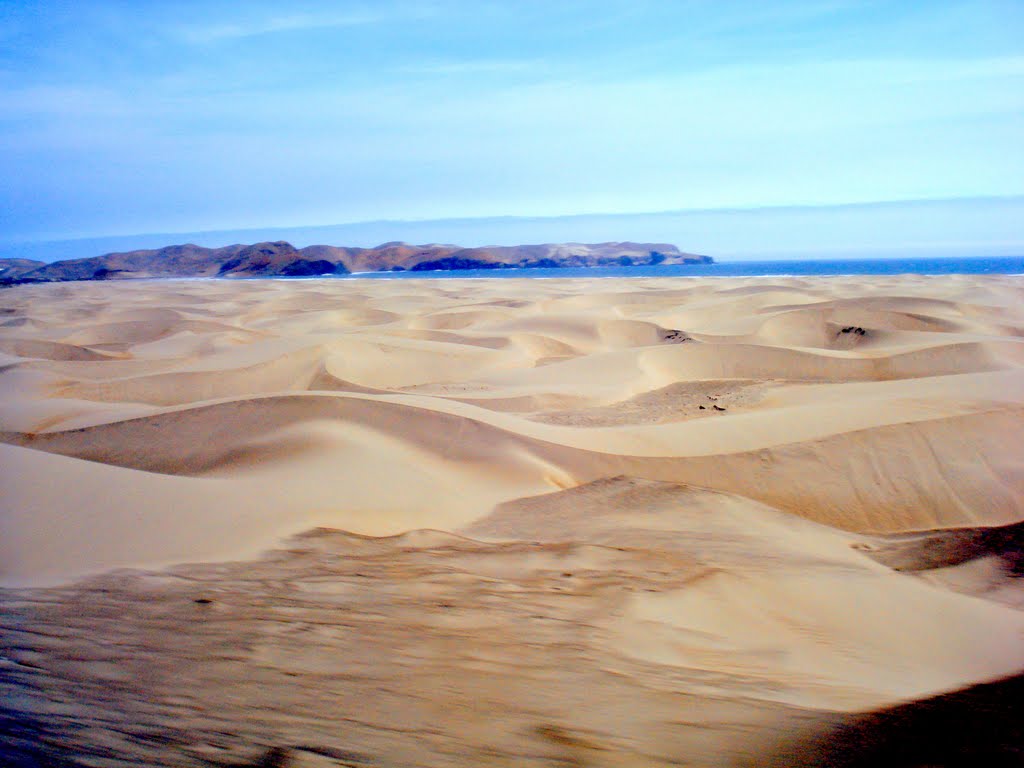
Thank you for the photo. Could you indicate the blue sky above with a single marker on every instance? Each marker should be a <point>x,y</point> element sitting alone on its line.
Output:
<point>126,117</point>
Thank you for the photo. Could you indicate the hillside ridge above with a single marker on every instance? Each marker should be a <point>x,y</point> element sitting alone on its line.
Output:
<point>282,259</point>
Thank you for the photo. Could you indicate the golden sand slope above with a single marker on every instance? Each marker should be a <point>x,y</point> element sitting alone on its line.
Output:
<point>675,520</point>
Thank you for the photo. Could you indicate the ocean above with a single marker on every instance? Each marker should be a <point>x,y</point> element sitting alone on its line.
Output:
<point>922,266</point>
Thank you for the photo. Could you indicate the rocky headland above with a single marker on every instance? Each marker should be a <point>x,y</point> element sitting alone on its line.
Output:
<point>282,259</point>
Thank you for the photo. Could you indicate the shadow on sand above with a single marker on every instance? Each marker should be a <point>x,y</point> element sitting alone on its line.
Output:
<point>978,726</point>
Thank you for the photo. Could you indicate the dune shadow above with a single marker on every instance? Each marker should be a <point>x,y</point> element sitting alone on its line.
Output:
<point>27,742</point>
<point>982,725</point>
<point>927,550</point>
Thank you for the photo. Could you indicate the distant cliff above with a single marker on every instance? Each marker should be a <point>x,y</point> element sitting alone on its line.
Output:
<point>281,259</point>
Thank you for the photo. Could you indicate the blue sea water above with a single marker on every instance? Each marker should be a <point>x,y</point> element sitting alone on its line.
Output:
<point>922,266</point>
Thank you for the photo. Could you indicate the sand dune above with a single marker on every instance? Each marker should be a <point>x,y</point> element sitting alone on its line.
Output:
<point>506,522</point>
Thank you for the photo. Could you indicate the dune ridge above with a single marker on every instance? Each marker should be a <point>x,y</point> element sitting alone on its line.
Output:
<point>506,522</point>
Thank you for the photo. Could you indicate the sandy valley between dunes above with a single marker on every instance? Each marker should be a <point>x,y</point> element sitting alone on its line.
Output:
<point>588,522</point>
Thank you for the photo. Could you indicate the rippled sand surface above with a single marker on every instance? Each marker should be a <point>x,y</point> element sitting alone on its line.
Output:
<point>593,522</point>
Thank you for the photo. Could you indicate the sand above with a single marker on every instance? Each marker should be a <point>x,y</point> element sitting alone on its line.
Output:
<point>607,522</point>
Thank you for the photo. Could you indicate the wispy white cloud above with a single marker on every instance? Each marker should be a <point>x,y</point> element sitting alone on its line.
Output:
<point>213,32</point>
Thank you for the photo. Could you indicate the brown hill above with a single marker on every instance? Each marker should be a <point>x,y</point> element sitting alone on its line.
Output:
<point>282,259</point>
<point>10,268</point>
<point>173,261</point>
